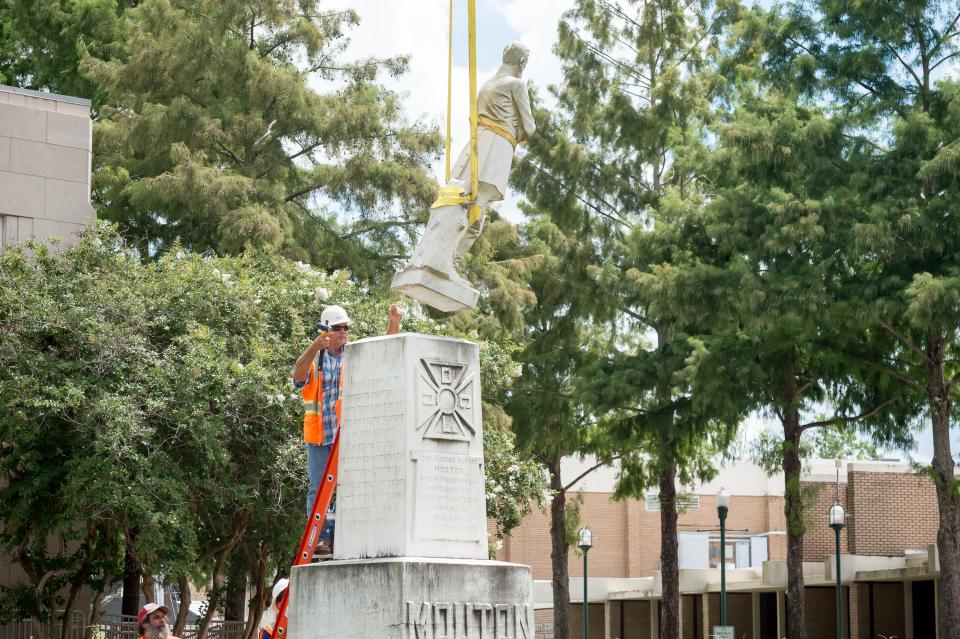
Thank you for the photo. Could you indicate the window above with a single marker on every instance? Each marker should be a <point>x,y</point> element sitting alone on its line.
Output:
<point>702,550</point>
<point>684,503</point>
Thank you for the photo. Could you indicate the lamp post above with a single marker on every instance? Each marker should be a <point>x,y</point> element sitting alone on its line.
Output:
<point>723,505</point>
<point>585,543</point>
<point>836,517</point>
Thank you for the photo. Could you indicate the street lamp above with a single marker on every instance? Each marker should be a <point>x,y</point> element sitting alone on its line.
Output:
<point>585,543</point>
<point>836,517</point>
<point>723,505</point>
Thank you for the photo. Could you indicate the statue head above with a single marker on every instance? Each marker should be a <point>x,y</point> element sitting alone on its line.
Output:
<point>516,54</point>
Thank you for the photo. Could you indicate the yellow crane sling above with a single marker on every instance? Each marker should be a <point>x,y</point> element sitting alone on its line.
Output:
<point>453,195</point>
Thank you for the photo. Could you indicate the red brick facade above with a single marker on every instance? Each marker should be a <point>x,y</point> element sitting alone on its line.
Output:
<point>891,512</point>
<point>888,512</point>
<point>626,536</point>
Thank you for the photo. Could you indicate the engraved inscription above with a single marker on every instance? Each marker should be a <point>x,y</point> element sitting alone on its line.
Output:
<point>446,401</point>
<point>371,478</point>
<point>451,620</point>
<point>450,497</point>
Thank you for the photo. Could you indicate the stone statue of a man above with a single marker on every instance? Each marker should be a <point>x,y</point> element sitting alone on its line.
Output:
<point>503,107</point>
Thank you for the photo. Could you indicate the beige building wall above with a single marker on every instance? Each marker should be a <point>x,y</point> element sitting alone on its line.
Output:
<point>45,155</point>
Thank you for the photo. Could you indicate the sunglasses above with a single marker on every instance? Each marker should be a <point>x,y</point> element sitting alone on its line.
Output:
<point>345,329</point>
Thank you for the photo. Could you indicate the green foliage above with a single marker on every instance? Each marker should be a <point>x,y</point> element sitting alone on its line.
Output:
<point>514,484</point>
<point>211,133</point>
<point>828,442</point>
<point>42,42</point>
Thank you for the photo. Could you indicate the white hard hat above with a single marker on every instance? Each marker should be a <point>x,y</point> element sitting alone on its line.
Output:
<point>333,315</point>
<point>279,587</point>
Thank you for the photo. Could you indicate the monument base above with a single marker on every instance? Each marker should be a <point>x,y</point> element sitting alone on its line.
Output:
<point>411,598</point>
<point>434,289</point>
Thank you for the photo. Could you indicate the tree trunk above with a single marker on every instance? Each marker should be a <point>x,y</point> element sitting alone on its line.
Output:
<point>213,601</point>
<point>559,553</point>
<point>944,476</point>
<point>793,508</point>
<point>75,587</point>
<point>236,596</point>
<point>669,561</point>
<point>131,580</point>
<point>184,611</point>
<point>259,600</point>
<point>95,606</point>
<point>149,586</point>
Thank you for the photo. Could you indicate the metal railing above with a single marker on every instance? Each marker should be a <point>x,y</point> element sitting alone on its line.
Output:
<point>108,628</point>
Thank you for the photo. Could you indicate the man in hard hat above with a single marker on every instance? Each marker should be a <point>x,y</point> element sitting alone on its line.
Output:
<point>269,617</point>
<point>152,622</point>
<point>317,375</point>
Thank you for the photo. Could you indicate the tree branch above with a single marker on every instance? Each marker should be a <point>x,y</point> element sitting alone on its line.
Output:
<point>946,36</point>
<point>906,341</point>
<point>856,418</point>
<point>377,225</point>
<point>228,153</point>
<point>905,65</point>
<point>293,196</point>
<point>526,158</point>
<point>605,462</point>
<point>944,59</point>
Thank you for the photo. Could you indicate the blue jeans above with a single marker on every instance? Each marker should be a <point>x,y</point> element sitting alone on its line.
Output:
<point>317,456</point>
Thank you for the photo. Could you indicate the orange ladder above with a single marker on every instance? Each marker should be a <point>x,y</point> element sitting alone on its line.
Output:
<point>311,534</point>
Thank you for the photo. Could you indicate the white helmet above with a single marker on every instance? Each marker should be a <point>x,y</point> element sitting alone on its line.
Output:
<point>279,587</point>
<point>333,315</point>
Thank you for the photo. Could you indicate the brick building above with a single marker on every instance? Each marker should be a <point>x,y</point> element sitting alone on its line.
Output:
<point>889,563</point>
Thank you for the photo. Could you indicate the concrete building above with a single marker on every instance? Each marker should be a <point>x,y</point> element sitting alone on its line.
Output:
<point>45,154</point>
<point>889,563</point>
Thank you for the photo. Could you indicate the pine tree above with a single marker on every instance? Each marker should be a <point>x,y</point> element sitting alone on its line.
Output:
<point>546,406</point>
<point>232,123</point>
<point>610,173</point>
<point>884,68</point>
<point>42,41</point>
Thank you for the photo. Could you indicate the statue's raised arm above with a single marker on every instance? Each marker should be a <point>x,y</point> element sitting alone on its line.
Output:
<point>504,120</point>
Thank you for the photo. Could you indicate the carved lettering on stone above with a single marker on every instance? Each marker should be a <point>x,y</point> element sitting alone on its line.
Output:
<point>446,401</point>
<point>450,497</point>
<point>501,620</point>
<point>419,620</point>
<point>372,469</point>
<point>454,620</point>
<point>442,621</point>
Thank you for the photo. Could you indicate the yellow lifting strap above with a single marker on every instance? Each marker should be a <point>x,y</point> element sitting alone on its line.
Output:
<point>449,195</point>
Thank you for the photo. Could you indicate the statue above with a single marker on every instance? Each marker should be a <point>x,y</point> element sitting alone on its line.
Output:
<point>505,119</point>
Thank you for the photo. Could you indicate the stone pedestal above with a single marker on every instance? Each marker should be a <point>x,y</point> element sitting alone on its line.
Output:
<point>411,537</point>
<point>411,450</point>
<point>411,598</point>
<point>434,289</point>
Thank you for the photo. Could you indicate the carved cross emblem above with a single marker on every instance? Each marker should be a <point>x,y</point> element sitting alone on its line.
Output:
<point>446,397</point>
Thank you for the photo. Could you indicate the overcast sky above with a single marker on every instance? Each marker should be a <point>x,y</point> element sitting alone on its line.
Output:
<point>418,28</point>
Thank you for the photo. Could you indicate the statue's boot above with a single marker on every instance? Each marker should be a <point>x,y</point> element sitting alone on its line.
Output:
<point>443,234</point>
<point>466,242</point>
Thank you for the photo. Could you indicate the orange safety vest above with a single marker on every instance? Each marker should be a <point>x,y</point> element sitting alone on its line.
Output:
<point>313,403</point>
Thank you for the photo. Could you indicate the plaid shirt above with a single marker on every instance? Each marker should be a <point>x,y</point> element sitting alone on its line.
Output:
<point>330,383</point>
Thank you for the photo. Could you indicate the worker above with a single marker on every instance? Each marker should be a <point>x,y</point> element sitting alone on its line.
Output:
<point>152,622</point>
<point>318,375</point>
<point>269,616</point>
